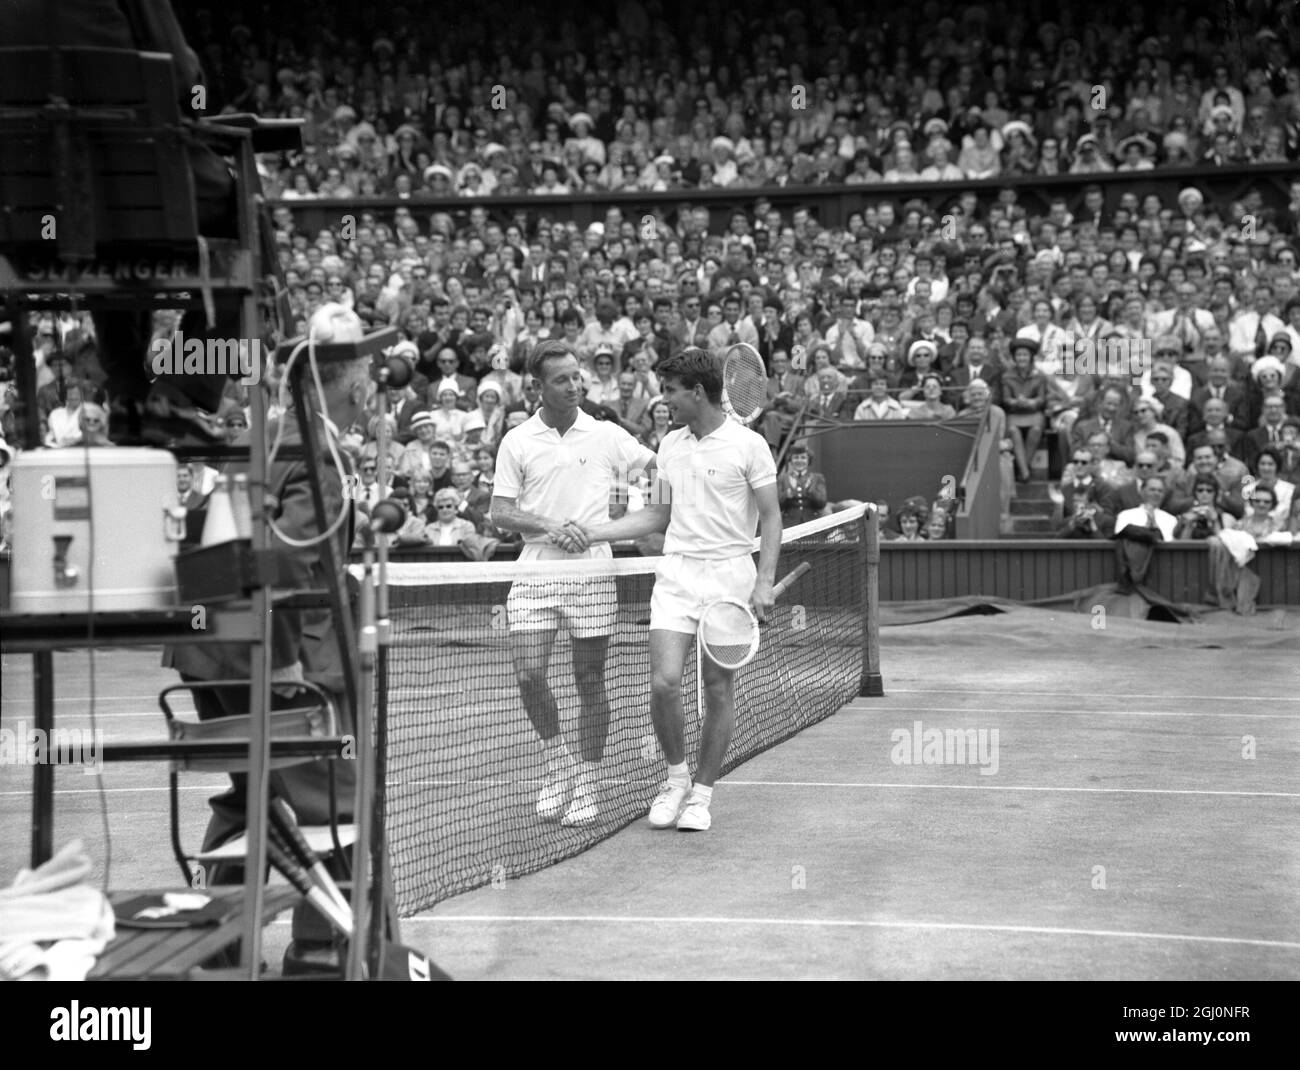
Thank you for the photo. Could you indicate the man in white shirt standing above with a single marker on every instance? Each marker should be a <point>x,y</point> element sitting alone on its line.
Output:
<point>554,475</point>
<point>719,480</point>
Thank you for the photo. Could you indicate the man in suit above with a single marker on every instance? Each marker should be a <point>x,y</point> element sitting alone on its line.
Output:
<point>1269,431</point>
<point>630,406</point>
<point>1219,385</point>
<point>732,329</point>
<point>448,367</point>
<point>303,643</point>
<point>1132,495</point>
<point>1174,409</point>
<point>975,364</point>
<point>1119,431</point>
<point>1085,495</point>
<point>785,394</point>
<point>1205,462</point>
<point>691,328</point>
<point>1215,415</point>
<point>832,399</point>
<point>532,400</point>
<point>404,404</point>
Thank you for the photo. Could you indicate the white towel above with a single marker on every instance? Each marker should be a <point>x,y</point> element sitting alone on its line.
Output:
<point>1241,544</point>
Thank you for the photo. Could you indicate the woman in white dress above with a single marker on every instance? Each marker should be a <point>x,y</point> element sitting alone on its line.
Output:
<point>1051,337</point>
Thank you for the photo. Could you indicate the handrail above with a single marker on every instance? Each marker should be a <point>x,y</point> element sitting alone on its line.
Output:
<point>833,204</point>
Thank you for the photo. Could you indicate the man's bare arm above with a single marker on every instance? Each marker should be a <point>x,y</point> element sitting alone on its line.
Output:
<point>507,516</point>
<point>647,521</point>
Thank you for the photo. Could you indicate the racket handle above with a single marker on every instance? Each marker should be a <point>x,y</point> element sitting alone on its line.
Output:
<point>790,580</point>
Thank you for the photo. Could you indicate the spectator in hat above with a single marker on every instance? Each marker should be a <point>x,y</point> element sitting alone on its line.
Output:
<point>1135,153</point>
<point>1147,413</point>
<point>450,422</point>
<point>582,141</point>
<point>1089,159</point>
<point>603,387</point>
<point>1024,397</point>
<point>802,491</point>
<point>941,168</point>
<point>486,423</point>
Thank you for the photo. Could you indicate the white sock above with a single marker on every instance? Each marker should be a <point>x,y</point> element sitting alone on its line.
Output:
<point>699,791</point>
<point>557,753</point>
<point>679,776</point>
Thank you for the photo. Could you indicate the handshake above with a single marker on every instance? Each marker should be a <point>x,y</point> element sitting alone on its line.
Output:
<point>571,537</point>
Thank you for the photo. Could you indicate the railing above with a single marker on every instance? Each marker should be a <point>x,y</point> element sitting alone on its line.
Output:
<point>979,516</point>
<point>1034,569</point>
<point>831,205</point>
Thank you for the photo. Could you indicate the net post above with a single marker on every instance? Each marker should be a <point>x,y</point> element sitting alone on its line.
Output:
<point>871,684</point>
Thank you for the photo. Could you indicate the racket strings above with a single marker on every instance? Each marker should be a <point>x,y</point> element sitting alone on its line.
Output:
<point>728,634</point>
<point>745,382</point>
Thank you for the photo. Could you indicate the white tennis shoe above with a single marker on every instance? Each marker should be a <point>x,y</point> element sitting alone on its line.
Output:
<point>695,816</point>
<point>582,809</point>
<point>667,805</point>
<point>554,796</point>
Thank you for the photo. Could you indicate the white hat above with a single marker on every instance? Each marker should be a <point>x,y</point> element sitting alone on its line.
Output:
<point>724,143</point>
<point>447,384</point>
<point>934,126</point>
<point>918,346</point>
<point>581,117</point>
<point>493,148</point>
<point>1266,363</point>
<point>1191,193</point>
<point>1019,126</point>
<point>438,169</point>
<point>420,419</point>
<point>664,158</point>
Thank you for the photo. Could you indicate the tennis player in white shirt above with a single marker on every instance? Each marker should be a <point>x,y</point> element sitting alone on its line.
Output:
<point>554,475</point>
<point>715,481</point>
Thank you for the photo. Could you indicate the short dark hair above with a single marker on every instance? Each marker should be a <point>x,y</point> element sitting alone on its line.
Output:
<point>691,368</point>
<point>552,349</point>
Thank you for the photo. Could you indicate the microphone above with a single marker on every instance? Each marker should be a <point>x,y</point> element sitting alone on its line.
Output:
<point>386,517</point>
<point>394,372</point>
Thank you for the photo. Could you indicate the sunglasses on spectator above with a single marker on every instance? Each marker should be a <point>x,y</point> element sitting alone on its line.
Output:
<point>1204,490</point>
<point>447,505</point>
<point>370,468</point>
<point>1160,378</point>
<point>1145,464</point>
<point>1081,460</point>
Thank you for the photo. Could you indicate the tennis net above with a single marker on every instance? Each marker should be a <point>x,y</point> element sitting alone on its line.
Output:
<point>464,763</point>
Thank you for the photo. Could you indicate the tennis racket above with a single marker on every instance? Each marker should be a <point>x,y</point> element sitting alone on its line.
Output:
<point>728,634</point>
<point>744,384</point>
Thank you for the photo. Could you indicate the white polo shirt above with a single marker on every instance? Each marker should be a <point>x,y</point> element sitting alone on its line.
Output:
<point>565,477</point>
<point>711,484</point>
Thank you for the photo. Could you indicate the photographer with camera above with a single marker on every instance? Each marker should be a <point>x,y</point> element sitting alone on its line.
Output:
<point>1203,518</point>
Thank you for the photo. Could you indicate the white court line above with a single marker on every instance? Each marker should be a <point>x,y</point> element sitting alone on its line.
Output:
<point>223,783</point>
<point>847,923</point>
<point>1000,787</point>
<point>743,784</point>
<point>1127,695</point>
<point>863,705</point>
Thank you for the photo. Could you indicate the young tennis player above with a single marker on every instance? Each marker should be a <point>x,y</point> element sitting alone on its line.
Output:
<point>715,481</point>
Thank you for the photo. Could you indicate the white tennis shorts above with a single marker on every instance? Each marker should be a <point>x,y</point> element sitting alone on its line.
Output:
<point>587,607</point>
<point>685,585</point>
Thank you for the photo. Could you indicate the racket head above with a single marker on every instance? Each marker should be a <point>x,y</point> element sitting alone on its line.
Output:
<point>728,633</point>
<point>744,383</point>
